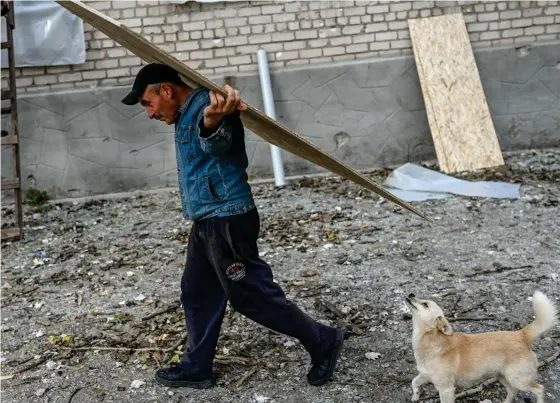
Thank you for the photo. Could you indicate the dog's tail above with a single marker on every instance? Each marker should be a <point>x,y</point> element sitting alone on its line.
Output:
<point>546,316</point>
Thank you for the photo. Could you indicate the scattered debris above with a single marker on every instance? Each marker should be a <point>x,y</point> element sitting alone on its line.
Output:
<point>261,399</point>
<point>348,267</point>
<point>373,356</point>
<point>247,375</point>
<point>137,383</point>
<point>40,392</point>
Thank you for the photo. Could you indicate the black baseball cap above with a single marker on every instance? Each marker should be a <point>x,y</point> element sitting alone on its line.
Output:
<point>150,74</point>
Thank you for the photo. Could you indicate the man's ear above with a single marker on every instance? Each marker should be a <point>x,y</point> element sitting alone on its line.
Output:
<point>167,90</point>
<point>443,326</point>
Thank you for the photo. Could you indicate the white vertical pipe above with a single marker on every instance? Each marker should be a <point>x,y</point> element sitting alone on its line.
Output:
<point>271,112</point>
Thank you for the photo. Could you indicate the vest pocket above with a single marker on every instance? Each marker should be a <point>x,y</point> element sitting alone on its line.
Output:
<point>210,189</point>
<point>183,139</point>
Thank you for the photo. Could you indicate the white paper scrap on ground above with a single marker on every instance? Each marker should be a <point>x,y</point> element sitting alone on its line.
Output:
<point>412,182</point>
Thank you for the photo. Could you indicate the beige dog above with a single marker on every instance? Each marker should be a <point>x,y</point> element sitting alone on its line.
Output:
<point>449,360</point>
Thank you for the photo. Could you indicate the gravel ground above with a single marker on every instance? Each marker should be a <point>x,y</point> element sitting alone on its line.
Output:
<point>90,297</point>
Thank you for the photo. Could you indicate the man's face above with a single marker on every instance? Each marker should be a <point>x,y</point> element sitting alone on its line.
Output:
<point>160,106</point>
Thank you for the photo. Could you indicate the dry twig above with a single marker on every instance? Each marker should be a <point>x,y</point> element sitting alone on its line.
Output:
<point>101,348</point>
<point>182,340</point>
<point>160,312</point>
<point>74,393</point>
<point>27,368</point>
<point>499,269</point>
<point>230,359</point>
<point>143,349</point>
<point>33,365</point>
<point>333,309</point>
<point>247,375</point>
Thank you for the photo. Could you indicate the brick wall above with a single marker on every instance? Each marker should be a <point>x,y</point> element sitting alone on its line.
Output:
<point>218,38</point>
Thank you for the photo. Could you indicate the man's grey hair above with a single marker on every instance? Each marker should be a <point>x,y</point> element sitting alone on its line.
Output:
<point>155,87</point>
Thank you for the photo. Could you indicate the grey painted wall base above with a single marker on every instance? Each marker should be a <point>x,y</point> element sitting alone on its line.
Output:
<point>367,114</point>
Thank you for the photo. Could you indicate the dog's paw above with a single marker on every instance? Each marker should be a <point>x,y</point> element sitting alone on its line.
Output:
<point>415,398</point>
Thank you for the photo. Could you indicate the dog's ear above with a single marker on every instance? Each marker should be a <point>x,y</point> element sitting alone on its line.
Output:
<point>443,326</point>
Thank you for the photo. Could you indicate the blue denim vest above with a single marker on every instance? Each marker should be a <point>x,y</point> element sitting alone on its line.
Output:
<point>212,170</point>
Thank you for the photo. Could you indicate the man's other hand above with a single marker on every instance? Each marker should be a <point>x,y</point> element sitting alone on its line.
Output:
<point>220,106</point>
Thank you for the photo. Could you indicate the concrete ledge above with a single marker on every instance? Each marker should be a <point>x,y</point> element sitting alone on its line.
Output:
<point>368,114</point>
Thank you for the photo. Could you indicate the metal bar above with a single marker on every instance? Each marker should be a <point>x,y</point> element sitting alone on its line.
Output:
<point>6,94</point>
<point>6,45</point>
<point>269,109</point>
<point>6,110</point>
<point>8,184</point>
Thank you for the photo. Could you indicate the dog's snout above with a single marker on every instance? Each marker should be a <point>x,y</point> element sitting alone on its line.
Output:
<point>411,295</point>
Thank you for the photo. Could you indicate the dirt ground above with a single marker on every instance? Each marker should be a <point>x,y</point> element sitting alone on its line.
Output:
<point>104,273</point>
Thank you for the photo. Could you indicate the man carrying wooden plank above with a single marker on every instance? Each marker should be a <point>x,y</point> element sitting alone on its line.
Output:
<point>222,262</point>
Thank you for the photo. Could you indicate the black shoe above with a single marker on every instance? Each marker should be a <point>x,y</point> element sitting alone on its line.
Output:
<point>176,377</point>
<point>322,371</point>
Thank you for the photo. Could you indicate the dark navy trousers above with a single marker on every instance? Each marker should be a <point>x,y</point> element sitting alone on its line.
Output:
<point>223,264</point>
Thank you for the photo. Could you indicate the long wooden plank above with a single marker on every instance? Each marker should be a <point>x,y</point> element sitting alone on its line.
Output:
<point>8,233</point>
<point>458,113</point>
<point>10,139</point>
<point>6,94</point>
<point>10,184</point>
<point>261,124</point>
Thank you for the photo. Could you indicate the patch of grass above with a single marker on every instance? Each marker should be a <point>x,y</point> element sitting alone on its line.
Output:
<point>120,317</point>
<point>36,197</point>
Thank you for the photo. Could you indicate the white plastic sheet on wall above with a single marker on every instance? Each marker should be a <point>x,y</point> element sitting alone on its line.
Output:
<point>45,34</point>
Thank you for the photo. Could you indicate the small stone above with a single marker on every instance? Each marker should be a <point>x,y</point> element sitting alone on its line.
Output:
<point>137,383</point>
<point>372,356</point>
<point>40,392</point>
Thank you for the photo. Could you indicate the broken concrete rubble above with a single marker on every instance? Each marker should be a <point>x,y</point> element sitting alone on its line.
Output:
<point>90,298</point>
